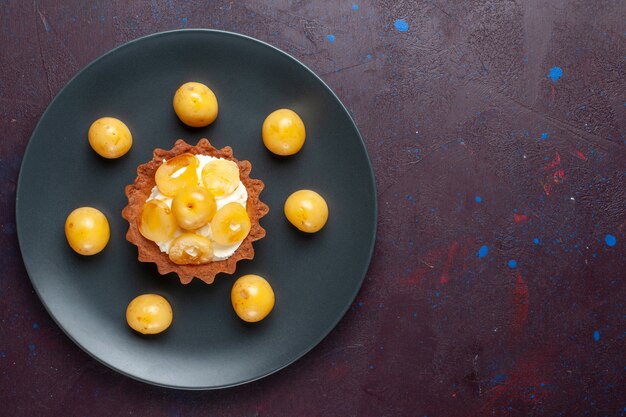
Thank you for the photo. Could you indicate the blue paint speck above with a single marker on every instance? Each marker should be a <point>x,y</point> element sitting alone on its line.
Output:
<point>544,136</point>
<point>401,25</point>
<point>35,326</point>
<point>355,6</point>
<point>31,348</point>
<point>478,199</point>
<point>483,251</point>
<point>596,336</point>
<point>360,303</point>
<point>184,20</point>
<point>369,56</point>
<point>371,366</point>
<point>498,379</point>
<point>331,38</point>
<point>542,384</point>
<point>610,240</point>
<point>9,228</point>
<point>532,396</point>
<point>536,241</point>
<point>555,73</point>
<point>512,264</point>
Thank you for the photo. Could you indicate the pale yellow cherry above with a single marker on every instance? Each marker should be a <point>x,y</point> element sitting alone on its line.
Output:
<point>87,230</point>
<point>193,207</point>
<point>220,177</point>
<point>252,298</point>
<point>191,249</point>
<point>177,173</point>
<point>195,104</point>
<point>230,224</point>
<point>157,222</point>
<point>306,210</point>
<point>283,132</point>
<point>149,314</point>
<point>110,137</point>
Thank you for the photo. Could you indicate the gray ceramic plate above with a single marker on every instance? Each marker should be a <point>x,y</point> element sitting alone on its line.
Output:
<point>315,277</point>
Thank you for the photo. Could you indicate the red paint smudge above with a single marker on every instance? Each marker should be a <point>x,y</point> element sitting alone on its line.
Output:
<point>440,262</point>
<point>554,163</point>
<point>547,188</point>
<point>559,175</point>
<point>529,371</point>
<point>520,218</point>
<point>425,264</point>
<point>338,371</point>
<point>556,177</point>
<point>524,379</point>
<point>580,155</point>
<point>415,278</point>
<point>454,247</point>
<point>520,304</point>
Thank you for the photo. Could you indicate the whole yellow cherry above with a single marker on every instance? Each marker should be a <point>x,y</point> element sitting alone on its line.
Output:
<point>110,137</point>
<point>87,230</point>
<point>149,314</point>
<point>195,104</point>
<point>306,210</point>
<point>283,132</point>
<point>252,298</point>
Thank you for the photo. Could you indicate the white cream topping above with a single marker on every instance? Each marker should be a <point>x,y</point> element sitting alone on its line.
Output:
<point>240,195</point>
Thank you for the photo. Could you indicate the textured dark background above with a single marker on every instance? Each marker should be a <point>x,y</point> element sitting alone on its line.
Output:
<point>497,131</point>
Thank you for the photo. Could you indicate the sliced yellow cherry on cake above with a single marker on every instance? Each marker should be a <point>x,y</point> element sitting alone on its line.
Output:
<point>230,224</point>
<point>190,248</point>
<point>220,177</point>
<point>157,222</point>
<point>177,173</point>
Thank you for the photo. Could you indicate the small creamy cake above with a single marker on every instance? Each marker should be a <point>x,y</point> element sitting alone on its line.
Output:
<point>194,211</point>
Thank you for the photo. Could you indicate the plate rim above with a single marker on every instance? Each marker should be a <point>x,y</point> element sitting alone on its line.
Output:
<point>19,218</point>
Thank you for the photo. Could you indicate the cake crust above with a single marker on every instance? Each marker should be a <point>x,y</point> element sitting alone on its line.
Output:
<point>138,192</point>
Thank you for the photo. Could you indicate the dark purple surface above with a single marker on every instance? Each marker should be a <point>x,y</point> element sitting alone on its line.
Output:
<point>497,131</point>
